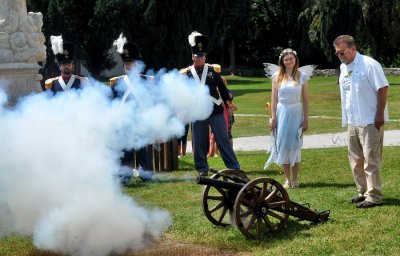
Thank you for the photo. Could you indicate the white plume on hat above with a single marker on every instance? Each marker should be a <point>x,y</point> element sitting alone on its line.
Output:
<point>120,43</point>
<point>56,44</point>
<point>191,37</point>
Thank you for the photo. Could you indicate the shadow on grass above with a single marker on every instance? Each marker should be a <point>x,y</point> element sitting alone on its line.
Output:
<point>241,82</point>
<point>137,182</point>
<point>391,201</point>
<point>292,230</point>
<point>325,185</point>
<point>241,92</point>
<point>264,173</point>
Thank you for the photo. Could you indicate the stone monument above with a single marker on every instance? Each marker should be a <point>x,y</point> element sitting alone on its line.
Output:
<point>21,48</point>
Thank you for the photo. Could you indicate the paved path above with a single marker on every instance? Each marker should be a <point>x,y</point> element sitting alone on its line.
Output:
<point>391,138</point>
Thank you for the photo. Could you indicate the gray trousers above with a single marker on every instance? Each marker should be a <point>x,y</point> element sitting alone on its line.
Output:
<point>200,142</point>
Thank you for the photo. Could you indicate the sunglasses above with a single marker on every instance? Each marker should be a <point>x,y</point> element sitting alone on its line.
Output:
<point>341,53</point>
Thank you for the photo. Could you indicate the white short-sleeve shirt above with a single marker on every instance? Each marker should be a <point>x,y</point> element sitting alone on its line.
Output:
<point>359,84</point>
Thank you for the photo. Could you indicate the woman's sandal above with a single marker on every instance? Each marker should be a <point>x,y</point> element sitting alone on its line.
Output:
<point>286,185</point>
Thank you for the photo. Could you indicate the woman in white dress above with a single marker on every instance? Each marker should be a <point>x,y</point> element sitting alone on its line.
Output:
<point>289,115</point>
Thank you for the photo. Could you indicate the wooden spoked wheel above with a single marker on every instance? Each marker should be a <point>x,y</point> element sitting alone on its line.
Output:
<point>218,202</point>
<point>260,207</point>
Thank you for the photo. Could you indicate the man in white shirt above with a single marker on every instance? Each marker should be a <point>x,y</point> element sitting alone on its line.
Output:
<point>363,88</point>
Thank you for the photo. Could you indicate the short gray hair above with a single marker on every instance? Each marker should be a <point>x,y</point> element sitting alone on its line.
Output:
<point>349,40</point>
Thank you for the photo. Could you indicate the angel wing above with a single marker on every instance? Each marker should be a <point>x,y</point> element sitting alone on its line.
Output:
<point>270,69</point>
<point>308,70</point>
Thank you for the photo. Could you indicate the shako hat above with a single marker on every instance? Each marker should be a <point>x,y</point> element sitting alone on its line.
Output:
<point>199,43</point>
<point>64,51</point>
<point>129,51</point>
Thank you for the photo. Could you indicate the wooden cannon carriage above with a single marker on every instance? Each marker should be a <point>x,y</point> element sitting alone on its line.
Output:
<point>254,206</point>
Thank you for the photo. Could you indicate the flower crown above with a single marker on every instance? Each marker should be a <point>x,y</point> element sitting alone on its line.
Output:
<point>287,51</point>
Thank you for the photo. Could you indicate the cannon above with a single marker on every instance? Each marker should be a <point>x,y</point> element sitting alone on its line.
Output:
<point>255,207</point>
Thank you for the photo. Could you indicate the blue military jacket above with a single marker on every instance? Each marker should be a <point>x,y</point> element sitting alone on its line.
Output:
<point>114,80</point>
<point>57,84</point>
<point>216,85</point>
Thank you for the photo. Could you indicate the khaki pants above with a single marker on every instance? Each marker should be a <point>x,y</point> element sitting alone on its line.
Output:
<point>365,153</point>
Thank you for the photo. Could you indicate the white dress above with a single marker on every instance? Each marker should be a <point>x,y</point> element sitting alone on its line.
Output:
<point>289,119</point>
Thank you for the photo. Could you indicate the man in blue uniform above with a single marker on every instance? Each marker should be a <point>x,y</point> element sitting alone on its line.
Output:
<point>206,75</point>
<point>64,53</point>
<point>130,53</point>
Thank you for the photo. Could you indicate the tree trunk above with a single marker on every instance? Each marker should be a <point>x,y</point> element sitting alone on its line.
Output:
<point>78,66</point>
<point>232,57</point>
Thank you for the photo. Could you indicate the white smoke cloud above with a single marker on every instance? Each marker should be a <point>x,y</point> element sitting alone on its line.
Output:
<point>59,156</point>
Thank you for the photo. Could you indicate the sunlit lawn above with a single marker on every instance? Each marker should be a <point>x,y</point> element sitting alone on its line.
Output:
<point>251,94</point>
<point>326,183</point>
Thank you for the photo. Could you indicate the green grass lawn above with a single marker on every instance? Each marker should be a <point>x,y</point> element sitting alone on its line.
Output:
<point>251,94</point>
<point>325,183</point>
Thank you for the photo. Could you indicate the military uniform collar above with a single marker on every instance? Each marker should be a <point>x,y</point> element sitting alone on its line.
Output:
<point>198,68</point>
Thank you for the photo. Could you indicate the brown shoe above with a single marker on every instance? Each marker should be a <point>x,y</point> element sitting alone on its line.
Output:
<point>367,204</point>
<point>356,199</point>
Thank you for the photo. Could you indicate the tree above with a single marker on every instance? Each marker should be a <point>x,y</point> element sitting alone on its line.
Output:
<point>245,31</point>
<point>109,19</point>
<point>382,30</point>
<point>235,26</point>
<point>273,26</point>
<point>165,26</point>
<point>324,20</point>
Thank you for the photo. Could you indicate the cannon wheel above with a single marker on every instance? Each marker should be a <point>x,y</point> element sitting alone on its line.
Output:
<point>217,202</point>
<point>260,206</point>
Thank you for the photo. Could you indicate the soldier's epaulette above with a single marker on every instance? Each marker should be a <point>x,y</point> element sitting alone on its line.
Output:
<point>184,70</point>
<point>48,84</point>
<point>113,80</point>
<point>82,78</point>
<point>211,66</point>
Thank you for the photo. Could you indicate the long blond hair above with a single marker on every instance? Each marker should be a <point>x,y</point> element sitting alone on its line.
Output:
<point>282,75</point>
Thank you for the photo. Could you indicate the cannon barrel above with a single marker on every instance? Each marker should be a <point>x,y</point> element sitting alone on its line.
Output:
<point>305,212</point>
<point>219,183</point>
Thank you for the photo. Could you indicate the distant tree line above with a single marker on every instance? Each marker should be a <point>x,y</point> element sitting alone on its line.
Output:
<point>241,32</point>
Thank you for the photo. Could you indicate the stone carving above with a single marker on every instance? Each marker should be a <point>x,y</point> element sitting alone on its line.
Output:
<point>21,39</point>
<point>8,19</point>
<point>21,48</point>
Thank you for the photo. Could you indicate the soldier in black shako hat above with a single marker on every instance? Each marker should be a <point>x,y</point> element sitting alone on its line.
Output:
<point>64,53</point>
<point>206,75</point>
<point>130,54</point>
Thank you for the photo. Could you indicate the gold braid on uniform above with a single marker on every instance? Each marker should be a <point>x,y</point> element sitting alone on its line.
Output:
<point>82,78</point>
<point>48,84</point>
<point>184,70</point>
<point>113,80</point>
